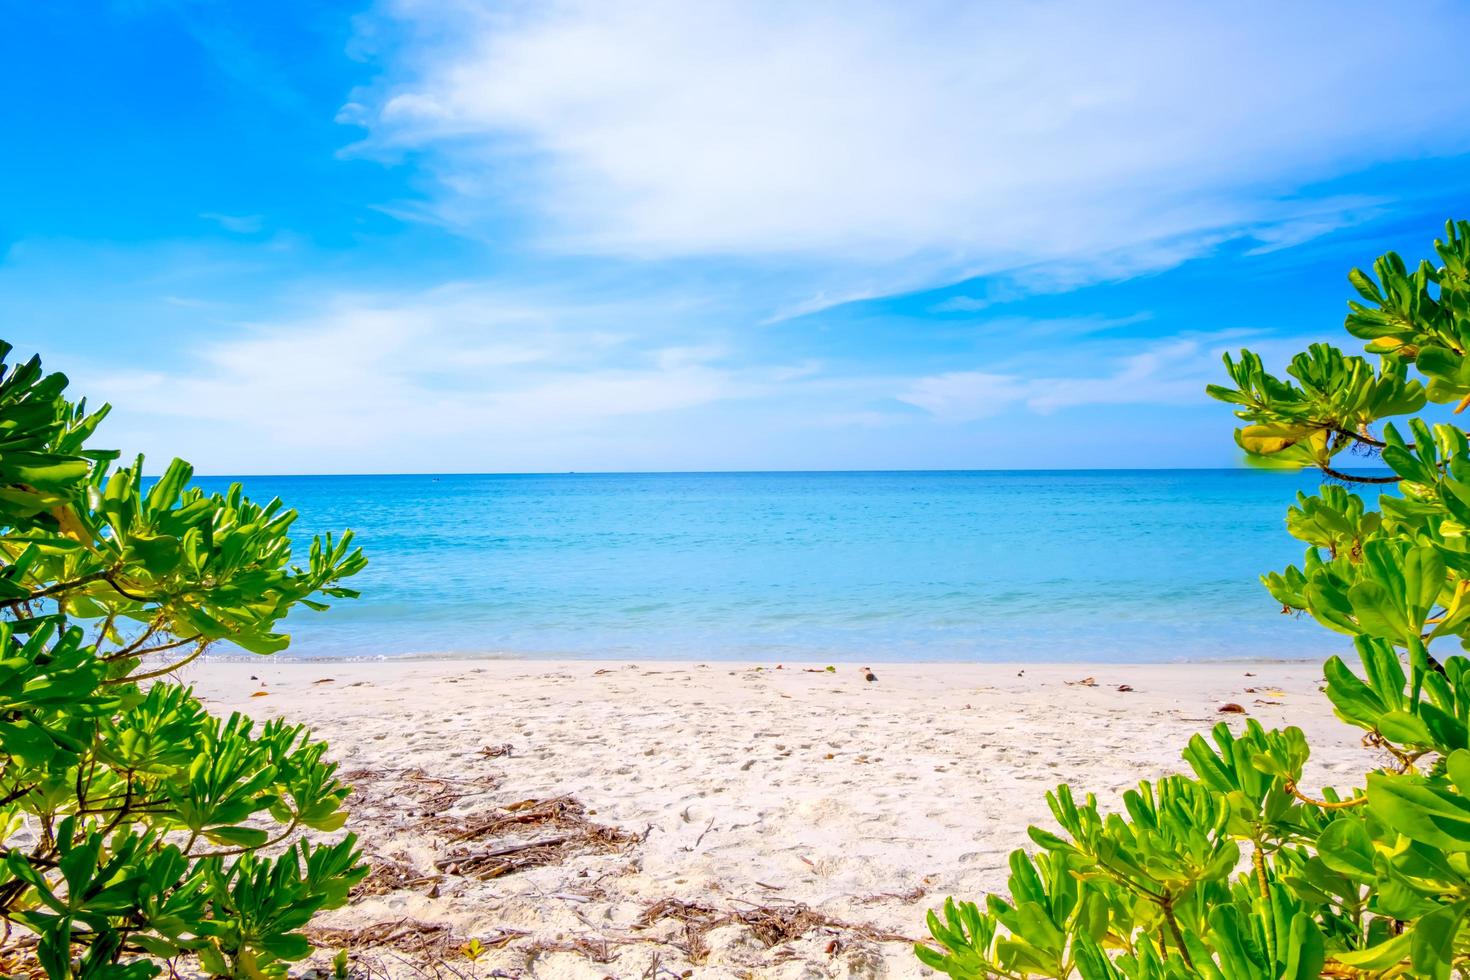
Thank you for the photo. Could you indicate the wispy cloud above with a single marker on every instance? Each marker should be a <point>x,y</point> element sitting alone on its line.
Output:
<point>1169,372</point>
<point>910,144</point>
<point>240,224</point>
<point>467,377</point>
<point>393,382</point>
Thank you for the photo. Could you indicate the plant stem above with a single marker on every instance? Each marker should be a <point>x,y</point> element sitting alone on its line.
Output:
<point>75,583</point>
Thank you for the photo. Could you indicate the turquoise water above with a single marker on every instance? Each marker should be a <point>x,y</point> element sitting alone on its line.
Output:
<point>1096,565</point>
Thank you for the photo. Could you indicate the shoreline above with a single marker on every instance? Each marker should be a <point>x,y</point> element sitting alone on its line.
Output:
<point>767,663</point>
<point>733,820</point>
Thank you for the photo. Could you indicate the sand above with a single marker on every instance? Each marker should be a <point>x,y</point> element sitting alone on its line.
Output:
<point>739,803</point>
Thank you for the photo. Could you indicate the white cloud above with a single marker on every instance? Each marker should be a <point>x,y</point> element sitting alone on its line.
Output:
<point>921,142</point>
<point>1169,372</point>
<point>964,396</point>
<point>469,378</point>
<point>373,383</point>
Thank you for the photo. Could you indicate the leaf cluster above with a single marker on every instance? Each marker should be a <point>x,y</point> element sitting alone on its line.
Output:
<point>1233,871</point>
<point>134,826</point>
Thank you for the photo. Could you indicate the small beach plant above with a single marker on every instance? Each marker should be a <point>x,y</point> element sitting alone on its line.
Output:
<point>135,827</point>
<point>1237,871</point>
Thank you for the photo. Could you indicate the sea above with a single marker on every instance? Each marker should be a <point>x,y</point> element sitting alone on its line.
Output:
<point>988,566</point>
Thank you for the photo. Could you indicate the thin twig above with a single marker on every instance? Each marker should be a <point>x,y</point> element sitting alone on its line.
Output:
<point>134,678</point>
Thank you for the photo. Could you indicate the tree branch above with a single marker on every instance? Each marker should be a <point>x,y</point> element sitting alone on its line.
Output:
<point>1290,787</point>
<point>76,583</point>
<point>135,651</point>
<point>112,581</point>
<point>134,678</point>
<point>1349,478</point>
<point>1365,440</point>
<point>16,794</point>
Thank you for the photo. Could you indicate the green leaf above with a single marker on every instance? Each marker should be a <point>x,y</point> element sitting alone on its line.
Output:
<point>237,836</point>
<point>1378,957</point>
<point>1431,949</point>
<point>27,742</point>
<point>288,947</point>
<point>1403,728</point>
<point>1346,848</point>
<point>1420,810</point>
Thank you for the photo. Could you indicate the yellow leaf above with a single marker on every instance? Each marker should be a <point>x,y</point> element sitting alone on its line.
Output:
<point>1267,439</point>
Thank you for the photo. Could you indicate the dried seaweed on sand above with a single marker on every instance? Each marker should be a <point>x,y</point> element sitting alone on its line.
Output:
<point>773,924</point>
<point>431,940</point>
<point>550,831</point>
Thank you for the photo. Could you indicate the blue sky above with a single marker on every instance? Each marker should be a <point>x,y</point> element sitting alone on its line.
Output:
<point>461,236</point>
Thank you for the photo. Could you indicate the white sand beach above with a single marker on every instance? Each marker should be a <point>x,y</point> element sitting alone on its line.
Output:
<point>693,817</point>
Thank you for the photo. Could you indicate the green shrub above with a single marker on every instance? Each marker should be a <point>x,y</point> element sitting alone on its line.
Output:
<point>131,821</point>
<point>1236,872</point>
